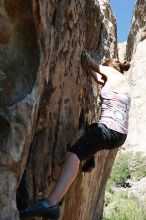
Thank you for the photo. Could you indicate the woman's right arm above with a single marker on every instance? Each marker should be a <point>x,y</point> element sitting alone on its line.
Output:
<point>91,63</point>
<point>104,71</point>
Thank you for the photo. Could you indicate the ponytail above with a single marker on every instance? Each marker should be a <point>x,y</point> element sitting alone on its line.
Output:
<point>125,66</point>
<point>121,67</point>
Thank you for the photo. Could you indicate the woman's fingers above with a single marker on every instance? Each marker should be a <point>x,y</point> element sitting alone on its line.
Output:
<point>83,59</point>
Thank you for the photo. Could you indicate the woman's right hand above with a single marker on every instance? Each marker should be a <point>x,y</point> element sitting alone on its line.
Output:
<point>86,59</point>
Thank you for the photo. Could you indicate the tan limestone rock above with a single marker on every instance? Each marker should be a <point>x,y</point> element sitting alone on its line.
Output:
<point>47,100</point>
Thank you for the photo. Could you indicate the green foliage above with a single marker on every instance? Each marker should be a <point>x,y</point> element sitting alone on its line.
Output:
<point>118,206</point>
<point>124,209</point>
<point>127,166</point>
<point>137,166</point>
<point>111,197</point>
<point>120,172</point>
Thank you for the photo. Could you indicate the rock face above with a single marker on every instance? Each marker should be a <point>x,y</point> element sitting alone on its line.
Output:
<point>47,100</point>
<point>137,119</point>
<point>122,51</point>
<point>136,47</point>
<point>138,30</point>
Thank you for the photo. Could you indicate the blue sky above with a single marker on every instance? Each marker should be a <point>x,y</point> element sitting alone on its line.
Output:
<point>123,10</point>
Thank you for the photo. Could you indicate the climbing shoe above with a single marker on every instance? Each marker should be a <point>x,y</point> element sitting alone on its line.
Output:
<point>41,208</point>
<point>89,165</point>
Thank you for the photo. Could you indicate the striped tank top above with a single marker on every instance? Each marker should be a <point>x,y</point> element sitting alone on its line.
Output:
<point>115,110</point>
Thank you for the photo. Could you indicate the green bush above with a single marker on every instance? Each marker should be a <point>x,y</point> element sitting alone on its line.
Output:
<point>125,209</point>
<point>120,172</point>
<point>137,165</point>
<point>111,197</point>
<point>117,204</point>
<point>127,166</point>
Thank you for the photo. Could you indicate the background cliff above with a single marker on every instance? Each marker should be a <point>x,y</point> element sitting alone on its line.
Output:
<point>136,53</point>
<point>138,29</point>
<point>47,100</point>
<point>131,162</point>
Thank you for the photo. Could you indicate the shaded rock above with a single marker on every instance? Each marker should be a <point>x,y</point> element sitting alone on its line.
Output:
<point>19,58</point>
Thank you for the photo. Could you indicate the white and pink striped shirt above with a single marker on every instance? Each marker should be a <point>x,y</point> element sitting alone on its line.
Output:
<point>115,110</point>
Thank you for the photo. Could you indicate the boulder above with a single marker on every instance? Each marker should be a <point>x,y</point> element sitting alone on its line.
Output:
<point>135,52</point>
<point>47,100</point>
<point>138,29</point>
<point>137,118</point>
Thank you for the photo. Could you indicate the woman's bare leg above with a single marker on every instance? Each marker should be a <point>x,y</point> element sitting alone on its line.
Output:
<point>67,176</point>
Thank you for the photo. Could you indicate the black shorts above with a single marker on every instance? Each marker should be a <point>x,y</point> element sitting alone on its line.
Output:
<point>99,137</point>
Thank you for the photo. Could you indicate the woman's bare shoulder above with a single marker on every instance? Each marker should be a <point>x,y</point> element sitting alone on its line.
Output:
<point>108,70</point>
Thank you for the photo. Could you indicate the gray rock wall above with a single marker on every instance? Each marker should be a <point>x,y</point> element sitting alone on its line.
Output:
<point>135,51</point>
<point>137,118</point>
<point>138,28</point>
<point>47,100</point>
<point>136,47</point>
<point>122,51</point>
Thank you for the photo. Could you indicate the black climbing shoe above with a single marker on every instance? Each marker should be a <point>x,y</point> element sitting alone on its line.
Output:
<point>89,165</point>
<point>41,208</point>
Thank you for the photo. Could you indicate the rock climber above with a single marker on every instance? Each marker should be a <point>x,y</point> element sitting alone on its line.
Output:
<point>109,133</point>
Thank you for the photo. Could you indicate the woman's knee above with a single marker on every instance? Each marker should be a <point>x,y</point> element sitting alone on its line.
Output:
<point>73,156</point>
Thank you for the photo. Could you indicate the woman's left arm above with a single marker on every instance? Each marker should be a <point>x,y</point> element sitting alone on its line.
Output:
<point>97,77</point>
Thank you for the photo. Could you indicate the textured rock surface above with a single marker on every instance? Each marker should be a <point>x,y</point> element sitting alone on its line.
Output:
<point>47,100</point>
<point>122,51</point>
<point>136,50</point>
<point>137,119</point>
<point>138,29</point>
<point>108,32</point>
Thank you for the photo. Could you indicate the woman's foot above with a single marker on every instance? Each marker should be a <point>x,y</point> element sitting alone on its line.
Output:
<point>89,165</point>
<point>41,208</point>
